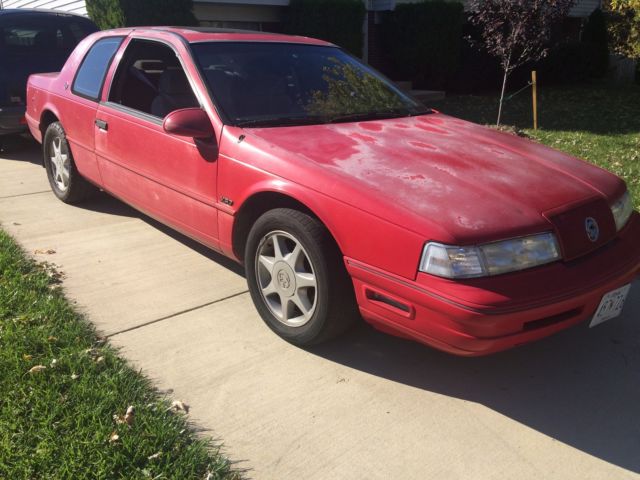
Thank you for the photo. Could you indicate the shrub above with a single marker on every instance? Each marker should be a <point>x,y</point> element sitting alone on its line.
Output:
<point>128,13</point>
<point>424,40</point>
<point>337,21</point>
<point>477,71</point>
<point>568,62</point>
<point>595,35</point>
<point>578,61</point>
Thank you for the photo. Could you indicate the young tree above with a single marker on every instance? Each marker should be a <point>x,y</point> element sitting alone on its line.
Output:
<point>516,31</point>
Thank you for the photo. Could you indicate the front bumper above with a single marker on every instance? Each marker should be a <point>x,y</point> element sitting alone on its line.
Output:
<point>12,120</point>
<point>487,315</point>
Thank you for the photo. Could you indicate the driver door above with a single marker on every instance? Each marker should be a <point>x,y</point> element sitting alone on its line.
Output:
<point>169,177</point>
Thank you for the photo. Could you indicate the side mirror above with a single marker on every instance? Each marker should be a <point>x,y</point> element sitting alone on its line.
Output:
<point>188,122</point>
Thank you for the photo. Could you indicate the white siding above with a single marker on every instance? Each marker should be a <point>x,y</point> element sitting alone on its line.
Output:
<point>71,6</point>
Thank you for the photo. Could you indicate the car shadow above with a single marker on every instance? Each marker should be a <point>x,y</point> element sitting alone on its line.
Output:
<point>580,387</point>
<point>102,202</point>
<point>28,150</point>
<point>21,148</point>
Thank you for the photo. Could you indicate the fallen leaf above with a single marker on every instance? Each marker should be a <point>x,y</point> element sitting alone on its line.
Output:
<point>114,437</point>
<point>37,369</point>
<point>100,359</point>
<point>154,456</point>
<point>179,406</point>
<point>128,416</point>
<point>74,376</point>
<point>44,251</point>
<point>27,357</point>
<point>51,338</point>
<point>53,363</point>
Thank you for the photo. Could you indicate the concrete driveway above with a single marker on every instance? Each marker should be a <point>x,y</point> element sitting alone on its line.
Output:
<point>367,406</point>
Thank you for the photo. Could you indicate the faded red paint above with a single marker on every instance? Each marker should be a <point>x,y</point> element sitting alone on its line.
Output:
<point>382,188</point>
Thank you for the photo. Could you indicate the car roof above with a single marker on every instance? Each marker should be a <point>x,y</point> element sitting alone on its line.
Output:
<point>39,12</point>
<point>201,34</point>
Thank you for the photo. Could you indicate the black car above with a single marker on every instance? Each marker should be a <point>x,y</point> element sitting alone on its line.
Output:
<point>32,41</point>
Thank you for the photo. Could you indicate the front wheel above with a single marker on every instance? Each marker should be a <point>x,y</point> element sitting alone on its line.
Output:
<point>297,278</point>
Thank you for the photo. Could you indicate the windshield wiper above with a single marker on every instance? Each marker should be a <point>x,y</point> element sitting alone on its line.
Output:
<point>422,111</point>
<point>323,119</point>
<point>280,121</point>
<point>362,116</point>
<point>355,117</point>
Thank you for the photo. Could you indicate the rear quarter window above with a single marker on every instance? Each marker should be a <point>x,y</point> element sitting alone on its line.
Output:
<point>90,76</point>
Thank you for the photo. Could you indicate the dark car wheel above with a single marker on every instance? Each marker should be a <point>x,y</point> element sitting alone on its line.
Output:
<point>297,278</point>
<point>65,180</point>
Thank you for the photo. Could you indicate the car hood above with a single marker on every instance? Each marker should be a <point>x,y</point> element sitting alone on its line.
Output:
<point>442,177</point>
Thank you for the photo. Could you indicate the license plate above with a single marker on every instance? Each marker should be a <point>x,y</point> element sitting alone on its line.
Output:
<point>610,306</point>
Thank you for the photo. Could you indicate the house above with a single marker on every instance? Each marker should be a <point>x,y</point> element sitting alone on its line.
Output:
<point>242,14</point>
<point>268,15</point>
<point>252,14</point>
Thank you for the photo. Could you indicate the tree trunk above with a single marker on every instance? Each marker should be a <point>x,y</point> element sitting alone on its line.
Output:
<point>504,88</point>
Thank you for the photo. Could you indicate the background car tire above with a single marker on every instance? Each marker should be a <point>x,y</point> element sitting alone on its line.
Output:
<point>334,308</point>
<point>69,187</point>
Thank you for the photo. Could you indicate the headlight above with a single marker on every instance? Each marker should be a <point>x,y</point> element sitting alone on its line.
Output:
<point>622,210</point>
<point>491,258</point>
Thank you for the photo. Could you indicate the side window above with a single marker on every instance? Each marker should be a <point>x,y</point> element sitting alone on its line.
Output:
<point>150,79</point>
<point>90,76</point>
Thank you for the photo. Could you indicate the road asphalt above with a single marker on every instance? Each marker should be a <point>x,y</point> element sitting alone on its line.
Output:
<point>366,406</point>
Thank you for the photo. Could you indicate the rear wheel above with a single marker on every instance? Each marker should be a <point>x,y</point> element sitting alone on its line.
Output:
<point>66,182</point>
<point>297,278</point>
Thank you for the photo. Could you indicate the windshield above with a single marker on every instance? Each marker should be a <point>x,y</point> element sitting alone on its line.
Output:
<point>272,84</point>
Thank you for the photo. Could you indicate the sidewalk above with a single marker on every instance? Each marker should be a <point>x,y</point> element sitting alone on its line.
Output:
<point>367,406</point>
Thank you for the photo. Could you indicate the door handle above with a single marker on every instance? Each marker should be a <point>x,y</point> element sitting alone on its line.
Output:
<point>102,125</point>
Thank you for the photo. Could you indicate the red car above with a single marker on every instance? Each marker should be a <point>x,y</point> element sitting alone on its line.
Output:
<point>338,192</point>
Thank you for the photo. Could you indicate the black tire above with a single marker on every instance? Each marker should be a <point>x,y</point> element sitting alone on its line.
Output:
<point>77,188</point>
<point>335,307</point>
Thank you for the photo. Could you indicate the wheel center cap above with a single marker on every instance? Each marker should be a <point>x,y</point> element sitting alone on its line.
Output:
<point>284,279</point>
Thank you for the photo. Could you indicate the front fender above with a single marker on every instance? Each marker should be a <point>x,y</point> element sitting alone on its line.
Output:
<point>359,235</point>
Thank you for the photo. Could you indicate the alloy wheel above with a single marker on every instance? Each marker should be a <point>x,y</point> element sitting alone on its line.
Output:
<point>60,165</point>
<point>286,278</point>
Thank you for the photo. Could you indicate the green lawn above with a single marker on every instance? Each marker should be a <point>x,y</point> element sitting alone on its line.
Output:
<point>597,123</point>
<point>58,421</point>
